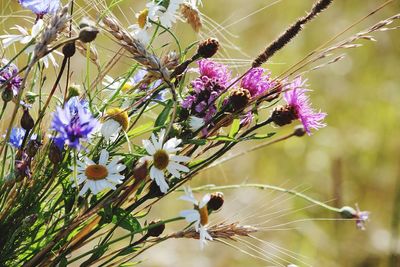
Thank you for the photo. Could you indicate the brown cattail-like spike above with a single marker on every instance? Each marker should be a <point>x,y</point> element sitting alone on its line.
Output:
<point>290,33</point>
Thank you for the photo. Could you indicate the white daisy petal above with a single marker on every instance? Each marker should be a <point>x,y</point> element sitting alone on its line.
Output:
<point>173,171</point>
<point>84,189</point>
<point>179,158</point>
<point>103,157</point>
<point>179,167</point>
<point>190,215</point>
<point>149,147</point>
<point>205,200</point>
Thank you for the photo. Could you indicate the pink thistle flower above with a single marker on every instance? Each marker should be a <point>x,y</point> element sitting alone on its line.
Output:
<point>299,103</point>
<point>257,82</point>
<point>211,73</point>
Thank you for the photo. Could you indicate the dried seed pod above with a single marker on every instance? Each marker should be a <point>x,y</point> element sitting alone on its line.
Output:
<point>27,121</point>
<point>157,230</point>
<point>208,48</point>
<point>69,49</point>
<point>216,201</point>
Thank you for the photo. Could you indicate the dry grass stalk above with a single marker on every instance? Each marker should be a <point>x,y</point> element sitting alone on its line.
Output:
<point>219,231</point>
<point>93,55</point>
<point>57,25</point>
<point>290,33</point>
<point>192,16</point>
<point>139,52</point>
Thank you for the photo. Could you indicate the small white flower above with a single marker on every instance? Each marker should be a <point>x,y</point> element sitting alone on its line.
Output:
<point>98,177</point>
<point>195,123</point>
<point>194,3</point>
<point>164,158</point>
<point>169,16</point>
<point>198,215</point>
<point>26,37</point>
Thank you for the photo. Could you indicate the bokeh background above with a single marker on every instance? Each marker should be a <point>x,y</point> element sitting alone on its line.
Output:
<point>355,159</point>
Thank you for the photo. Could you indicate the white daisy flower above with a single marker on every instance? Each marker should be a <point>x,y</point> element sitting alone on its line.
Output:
<point>26,37</point>
<point>198,215</point>
<point>164,159</point>
<point>169,16</point>
<point>117,119</point>
<point>194,3</point>
<point>98,177</point>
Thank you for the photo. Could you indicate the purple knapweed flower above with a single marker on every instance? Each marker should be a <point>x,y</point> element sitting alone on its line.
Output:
<point>211,74</point>
<point>41,7</point>
<point>10,74</point>
<point>299,104</point>
<point>213,80</point>
<point>257,82</point>
<point>74,123</point>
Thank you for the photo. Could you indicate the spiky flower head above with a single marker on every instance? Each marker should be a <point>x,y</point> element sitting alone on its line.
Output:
<point>298,107</point>
<point>74,124</point>
<point>41,7</point>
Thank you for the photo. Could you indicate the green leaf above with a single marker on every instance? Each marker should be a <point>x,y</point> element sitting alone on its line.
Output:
<point>234,128</point>
<point>163,117</point>
<point>200,142</point>
<point>125,220</point>
<point>141,129</point>
<point>262,136</point>
<point>223,138</point>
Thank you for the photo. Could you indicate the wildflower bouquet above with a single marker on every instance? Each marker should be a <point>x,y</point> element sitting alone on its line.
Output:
<point>81,159</point>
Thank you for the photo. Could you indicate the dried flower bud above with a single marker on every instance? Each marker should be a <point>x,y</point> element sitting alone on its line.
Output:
<point>140,172</point>
<point>283,115</point>
<point>154,191</point>
<point>32,147</point>
<point>239,98</point>
<point>69,49</point>
<point>208,48</point>
<point>216,201</point>
<point>7,95</point>
<point>299,131</point>
<point>157,230</point>
<point>88,30</point>
<point>74,90</point>
<point>27,121</point>
<point>88,34</point>
<point>55,154</point>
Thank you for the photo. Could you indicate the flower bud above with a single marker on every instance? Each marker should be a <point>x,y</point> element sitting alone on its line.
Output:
<point>283,115</point>
<point>32,147</point>
<point>27,121</point>
<point>216,201</point>
<point>208,48</point>
<point>154,191</point>
<point>69,49</point>
<point>239,98</point>
<point>88,34</point>
<point>157,230</point>
<point>140,172</point>
<point>55,154</point>
<point>7,95</point>
<point>348,212</point>
<point>73,90</point>
<point>299,131</point>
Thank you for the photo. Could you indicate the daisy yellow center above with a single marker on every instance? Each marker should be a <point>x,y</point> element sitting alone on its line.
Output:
<point>96,172</point>
<point>161,159</point>
<point>119,116</point>
<point>127,87</point>
<point>142,18</point>
<point>203,215</point>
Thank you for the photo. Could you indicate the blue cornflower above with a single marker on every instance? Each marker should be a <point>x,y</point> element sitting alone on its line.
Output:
<point>16,137</point>
<point>74,123</point>
<point>41,7</point>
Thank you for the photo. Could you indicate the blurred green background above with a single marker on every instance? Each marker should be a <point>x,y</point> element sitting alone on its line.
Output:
<point>355,159</point>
